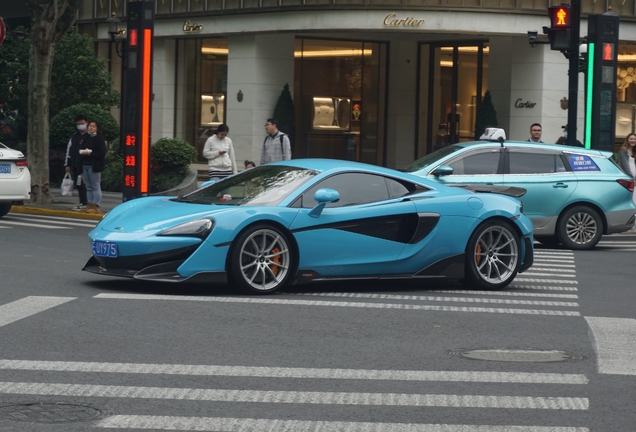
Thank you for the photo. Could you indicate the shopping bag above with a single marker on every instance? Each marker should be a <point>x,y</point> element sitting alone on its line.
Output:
<point>67,185</point>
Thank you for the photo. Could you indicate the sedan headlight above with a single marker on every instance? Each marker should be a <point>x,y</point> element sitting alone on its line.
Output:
<point>197,228</point>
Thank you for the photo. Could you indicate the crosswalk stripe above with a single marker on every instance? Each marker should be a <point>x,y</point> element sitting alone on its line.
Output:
<point>614,344</point>
<point>33,225</point>
<point>297,397</point>
<point>553,252</point>
<point>548,264</point>
<point>287,372</point>
<point>551,274</point>
<point>524,279</point>
<point>440,299</point>
<point>545,268</point>
<point>541,287</point>
<point>222,424</point>
<point>51,221</point>
<point>337,304</point>
<point>511,293</point>
<point>28,306</point>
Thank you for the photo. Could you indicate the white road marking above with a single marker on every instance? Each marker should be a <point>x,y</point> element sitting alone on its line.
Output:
<point>541,287</point>
<point>607,242</point>
<point>553,252</point>
<point>68,221</point>
<point>28,306</point>
<point>534,274</point>
<point>336,304</point>
<point>228,424</point>
<point>615,344</point>
<point>511,293</point>
<point>33,225</point>
<point>308,373</point>
<point>296,397</point>
<point>547,264</point>
<point>440,299</point>
<point>557,281</point>
<point>546,268</point>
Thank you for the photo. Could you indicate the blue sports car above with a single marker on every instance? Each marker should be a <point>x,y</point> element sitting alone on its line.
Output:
<point>311,219</point>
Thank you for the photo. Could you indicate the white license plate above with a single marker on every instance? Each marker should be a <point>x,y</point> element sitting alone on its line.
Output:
<point>104,249</point>
<point>5,168</point>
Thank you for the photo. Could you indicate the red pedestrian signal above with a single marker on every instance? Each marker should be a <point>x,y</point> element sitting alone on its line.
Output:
<point>560,16</point>
<point>608,51</point>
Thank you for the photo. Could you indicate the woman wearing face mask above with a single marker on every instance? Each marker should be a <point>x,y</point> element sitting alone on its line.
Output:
<point>93,153</point>
<point>219,152</point>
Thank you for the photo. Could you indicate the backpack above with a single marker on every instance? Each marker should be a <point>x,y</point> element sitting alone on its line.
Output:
<point>281,142</point>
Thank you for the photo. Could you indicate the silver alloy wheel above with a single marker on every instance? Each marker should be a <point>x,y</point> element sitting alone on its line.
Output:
<point>581,228</point>
<point>265,259</point>
<point>496,254</point>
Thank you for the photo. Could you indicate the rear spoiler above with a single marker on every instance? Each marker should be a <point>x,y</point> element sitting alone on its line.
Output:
<point>512,191</point>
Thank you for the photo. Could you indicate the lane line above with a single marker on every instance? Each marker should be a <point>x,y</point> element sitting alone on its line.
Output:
<point>56,222</point>
<point>39,216</point>
<point>33,225</point>
<point>28,306</point>
<point>297,397</point>
<point>615,344</point>
<point>510,293</point>
<point>542,287</point>
<point>440,299</point>
<point>336,304</point>
<point>287,372</point>
<point>559,268</point>
<point>557,281</point>
<point>547,264</point>
<point>229,424</point>
<point>553,274</point>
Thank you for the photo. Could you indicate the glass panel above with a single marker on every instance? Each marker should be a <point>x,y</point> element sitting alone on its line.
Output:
<point>86,9</point>
<point>497,4</point>
<point>118,7</point>
<point>215,4</point>
<point>251,3</point>
<point>466,105</point>
<point>351,1</point>
<point>197,5</point>
<point>180,5</point>
<point>103,9</point>
<point>479,163</point>
<point>625,8</point>
<point>163,6</point>
<point>592,7</point>
<point>232,4</point>
<point>385,2</point>
<point>291,2</point>
<point>534,4</point>
<point>373,93</point>
<point>423,2</point>
<point>318,1</point>
<point>267,3</point>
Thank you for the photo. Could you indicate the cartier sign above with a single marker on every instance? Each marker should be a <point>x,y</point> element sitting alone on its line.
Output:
<point>519,103</point>
<point>391,20</point>
<point>189,27</point>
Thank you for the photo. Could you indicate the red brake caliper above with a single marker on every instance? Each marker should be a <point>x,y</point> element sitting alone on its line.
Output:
<point>477,253</point>
<point>274,267</point>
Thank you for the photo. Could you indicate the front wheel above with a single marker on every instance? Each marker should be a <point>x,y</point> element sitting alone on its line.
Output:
<point>492,256</point>
<point>580,228</point>
<point>261,260</point>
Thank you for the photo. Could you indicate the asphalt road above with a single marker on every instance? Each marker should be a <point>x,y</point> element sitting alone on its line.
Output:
<point>81,352</point>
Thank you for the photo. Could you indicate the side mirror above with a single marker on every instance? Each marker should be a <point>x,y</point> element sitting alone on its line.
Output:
<point>442,170</point>
<point>323,197</point>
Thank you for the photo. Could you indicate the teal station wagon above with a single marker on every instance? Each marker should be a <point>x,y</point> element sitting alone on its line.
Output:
<point>573,197</point>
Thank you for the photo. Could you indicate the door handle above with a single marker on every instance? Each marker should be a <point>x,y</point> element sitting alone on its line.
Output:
<point>560,185</point>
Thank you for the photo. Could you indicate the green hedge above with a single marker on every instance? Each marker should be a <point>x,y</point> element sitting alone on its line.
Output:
<point>63,124</point>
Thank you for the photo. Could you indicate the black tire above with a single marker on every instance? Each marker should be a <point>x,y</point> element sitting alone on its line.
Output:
<point>548,240</point>
<point>492,256</point>
<point>580,228</point>
<point>261,260</point>
<point>4,208</point>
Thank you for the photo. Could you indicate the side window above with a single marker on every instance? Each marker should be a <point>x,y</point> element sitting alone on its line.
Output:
<point>477,163</point>
<point>535,163</point>
<point>354,188</point>
<point>397,189</point>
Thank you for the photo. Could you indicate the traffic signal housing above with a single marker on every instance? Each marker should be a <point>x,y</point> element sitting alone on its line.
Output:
<point>560,30</point>
<point>602,63</point>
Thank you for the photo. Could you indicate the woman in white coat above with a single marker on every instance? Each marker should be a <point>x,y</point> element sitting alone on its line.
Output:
<point>219,152</point>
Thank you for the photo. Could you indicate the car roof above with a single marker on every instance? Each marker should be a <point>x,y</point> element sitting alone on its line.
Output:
<point>533,145</point>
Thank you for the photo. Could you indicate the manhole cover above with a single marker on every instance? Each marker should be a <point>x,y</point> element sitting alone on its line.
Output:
<point>517,355</point>
<point>50,413</point>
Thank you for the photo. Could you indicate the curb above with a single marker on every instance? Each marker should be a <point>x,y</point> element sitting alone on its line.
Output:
<point>50,212</point>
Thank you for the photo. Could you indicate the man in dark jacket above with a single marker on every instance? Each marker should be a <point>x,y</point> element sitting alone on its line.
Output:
<point>73,160</point>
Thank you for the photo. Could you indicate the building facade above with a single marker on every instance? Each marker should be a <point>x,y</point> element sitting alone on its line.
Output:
<point>377,81</point>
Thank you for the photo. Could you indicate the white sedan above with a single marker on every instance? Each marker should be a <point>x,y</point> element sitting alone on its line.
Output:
<point>15,178</point>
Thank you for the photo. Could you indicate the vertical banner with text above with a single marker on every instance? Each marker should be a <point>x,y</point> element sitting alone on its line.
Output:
<point>137,100</point>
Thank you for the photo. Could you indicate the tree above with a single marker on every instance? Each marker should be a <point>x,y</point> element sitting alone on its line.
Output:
<point>14,77</point>
<point>486,115</point>
<point>50,21</point>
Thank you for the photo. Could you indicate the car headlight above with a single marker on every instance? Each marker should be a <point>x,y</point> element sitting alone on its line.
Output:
<point>197,228</point>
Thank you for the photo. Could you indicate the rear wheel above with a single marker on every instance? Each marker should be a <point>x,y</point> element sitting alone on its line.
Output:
<point>580,228</point>
<point>492,256</point>
<point>261,259</point>
<point>4,208</point>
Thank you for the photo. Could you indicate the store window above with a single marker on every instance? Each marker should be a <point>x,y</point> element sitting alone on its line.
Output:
<point>453,79</point>
<point>626,91</point>
<point>341,102</point>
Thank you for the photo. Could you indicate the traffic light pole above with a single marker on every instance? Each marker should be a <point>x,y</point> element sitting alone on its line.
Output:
<point>573,78</point>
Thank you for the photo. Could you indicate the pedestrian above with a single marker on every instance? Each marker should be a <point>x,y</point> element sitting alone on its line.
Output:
<point>276,146</point>
<point>535,133</point>
<point>627,154</point>
<point>93,153</point>
<point>73,161</point>
<point>219,152</point>
<point>249,164</point>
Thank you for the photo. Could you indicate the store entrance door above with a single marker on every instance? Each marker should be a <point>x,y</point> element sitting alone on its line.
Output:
<point>452,81</point>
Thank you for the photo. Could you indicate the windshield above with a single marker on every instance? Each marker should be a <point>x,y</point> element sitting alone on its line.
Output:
<point>261,186</point>
<point>431,159</point>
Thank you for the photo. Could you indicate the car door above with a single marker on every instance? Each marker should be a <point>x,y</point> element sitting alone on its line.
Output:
<point>547,179</point>
<point>476,166</point>
<point>361,233</point>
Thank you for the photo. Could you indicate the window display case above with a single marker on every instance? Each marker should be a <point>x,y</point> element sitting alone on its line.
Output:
<point>330,114</point>
<point>212,109</point>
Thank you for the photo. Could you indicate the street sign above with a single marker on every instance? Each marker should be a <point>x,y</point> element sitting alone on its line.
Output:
<point>3,31</point>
